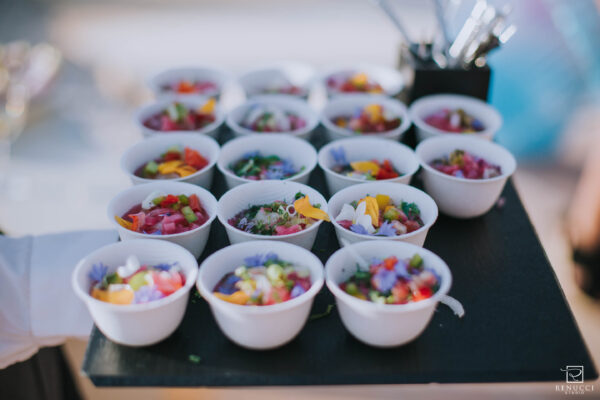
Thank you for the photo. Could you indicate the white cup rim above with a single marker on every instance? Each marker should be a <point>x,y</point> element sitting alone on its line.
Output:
<point>489,130</point>
<point>259,137</point>
<point>208,295</point>
<point>158,186</point>
<point>479,141</point>
<point>382,141</point>
<point>394,185</point>
<point>389,308</point>
<point>175,137</point>
<point>132,308</point>
<point>312,119</point>
<point>224,220</point>
<point>365,99</point>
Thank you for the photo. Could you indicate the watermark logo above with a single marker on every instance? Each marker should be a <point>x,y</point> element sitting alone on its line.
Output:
<point>575,383</point>
<point>574,373</point>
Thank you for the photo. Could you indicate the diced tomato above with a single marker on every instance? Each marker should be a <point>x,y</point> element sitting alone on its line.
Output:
<point>422,293</point>
<point>277,295</point>
<point>386,171</point>
<point>411,226</point>
<point>185,87</point>
<point>195,203</point>
<point>167,283</point>
<point>195,159</point>
<point>169,200</point>
<point>172,156</point>
<point>400,292</point>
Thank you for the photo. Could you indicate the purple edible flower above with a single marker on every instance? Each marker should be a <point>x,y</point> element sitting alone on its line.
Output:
<point>156,232</point>
<point>297,291</point>
<point>164,266</point>
<point>259,259</point>
<point>376,261</point>
<point>459,174</point>
<point>274,172</point>
<point>98,272</point>
<point>384,280</point>
<point>146,294</point>
<point>361,230</point>
<point>228,285</point>
<point>386,229</point>
<point>339,156</point>
<point>401,269</point>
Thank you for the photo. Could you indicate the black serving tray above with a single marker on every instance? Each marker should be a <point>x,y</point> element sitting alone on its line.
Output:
<point>517,327</point>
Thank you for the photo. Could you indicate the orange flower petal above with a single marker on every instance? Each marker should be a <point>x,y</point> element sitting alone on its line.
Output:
<point>238,297</point>
<point>208,107</point>
<point>365,166</point>
<point>169,167</point>
<point>303,207</point>
<point>383,200</point>
<point>123,222</point>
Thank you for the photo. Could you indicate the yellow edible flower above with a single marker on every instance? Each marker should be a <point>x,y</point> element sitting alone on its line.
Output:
<point>303,207</point>
<point>365,166</point>
<point>169,167</point>
<point>186,170</point>
<point>383,200</point>
<point>238,297</point>
<point>123,296</point>
<point>372,209</point>
<point>123,222</point>
<point>360,79</point>
<point>375,112</point>
<point>208,107</point>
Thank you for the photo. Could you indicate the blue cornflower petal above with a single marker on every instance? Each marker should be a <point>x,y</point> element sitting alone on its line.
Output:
<point>98,272</point>
<point>228,287</point>
<point>163,266</point>
<point>361,230</point>
<point>260,259</point>
<point>274,172</point>
<point>288,167</point>
<point>297,291</point>
<point>401,269</point>
<point>384,280</point>
<point>146,294</point>
<point>459,174</point>
<point>339,156</point>
<point>251,154</point>
<point>386,229</point>
<point>156,232</point>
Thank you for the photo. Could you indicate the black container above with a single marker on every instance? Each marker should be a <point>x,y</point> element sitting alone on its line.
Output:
<point>429,78</point>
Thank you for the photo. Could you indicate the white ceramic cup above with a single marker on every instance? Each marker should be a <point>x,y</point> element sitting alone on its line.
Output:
<point>298,151</point>
<point>460,197</point>
<point>137,324</point>
<point>192,102</point>
<point>174,75</point>
<point>259,327</point>
<point>398,192</point>
<point>347,105</point>
<point>389,79</point>
<point>257,80</point>
<point>425,106</point>
<point>262,192</point>
<point>402,157</point>
<point>383,325</point>
<point>194,240</point>
<point>285,102</point>
<point>150,149</point>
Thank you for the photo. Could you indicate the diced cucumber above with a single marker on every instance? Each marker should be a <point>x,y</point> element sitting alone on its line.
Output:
<point>189,215</point>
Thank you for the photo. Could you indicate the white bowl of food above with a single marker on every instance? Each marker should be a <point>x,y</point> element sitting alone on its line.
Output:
<point>172,157</point>
<point>291,78</point>
<point>180,114</point>
<point>184,222</point>
<point>242,213</point>
<point>349,162</point>
<point>362,78</point>
<point>246,159</point>
<point>405,296</point>
<point>273,114</point>
<point>365,115</point>
<point>454,114</point>
<point>272,317</point>
<point>390,211</point>
<point>189,81</point>
<point>470,190</point>
<point>149,318</point>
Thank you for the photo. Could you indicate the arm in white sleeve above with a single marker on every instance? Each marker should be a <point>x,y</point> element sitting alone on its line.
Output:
<point>37,305</point>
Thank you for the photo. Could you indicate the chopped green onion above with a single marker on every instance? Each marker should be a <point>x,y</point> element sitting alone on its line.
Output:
<point>151,168</point>
<point>158,200</point>
<point>189,215</point>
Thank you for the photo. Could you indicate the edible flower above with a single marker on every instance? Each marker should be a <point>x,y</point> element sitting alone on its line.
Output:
<point>303,207</point>
<point>372,209</point>
<point>357,216</point>
<point>365,167</point>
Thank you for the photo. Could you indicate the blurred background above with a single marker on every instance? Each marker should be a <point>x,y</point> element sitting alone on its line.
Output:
<point>61,140</point>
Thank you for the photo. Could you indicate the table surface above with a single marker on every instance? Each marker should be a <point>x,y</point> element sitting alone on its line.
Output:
<point>517,327</point>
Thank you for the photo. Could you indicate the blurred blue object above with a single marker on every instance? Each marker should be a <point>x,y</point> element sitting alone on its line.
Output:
<point>548,69</point>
